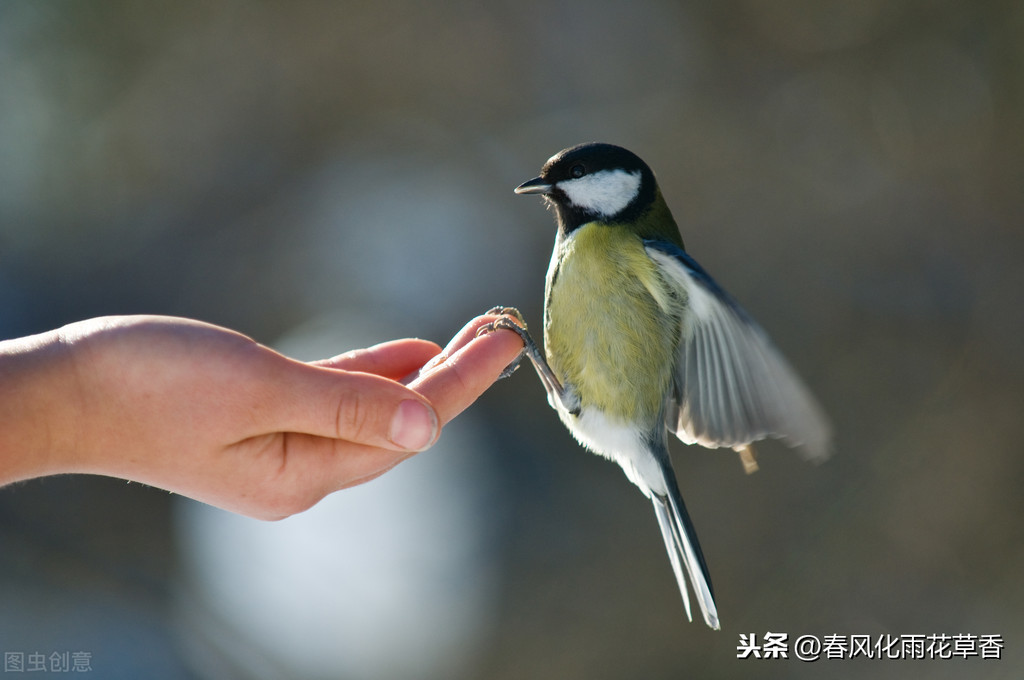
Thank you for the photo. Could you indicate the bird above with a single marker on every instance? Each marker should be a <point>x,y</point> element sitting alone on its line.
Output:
<point>640,341</point>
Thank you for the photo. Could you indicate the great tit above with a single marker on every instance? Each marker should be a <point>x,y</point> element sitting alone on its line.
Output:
<point>639,341</point>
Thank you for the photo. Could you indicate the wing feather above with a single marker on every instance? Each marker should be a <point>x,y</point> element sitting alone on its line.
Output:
<point>732,386</point>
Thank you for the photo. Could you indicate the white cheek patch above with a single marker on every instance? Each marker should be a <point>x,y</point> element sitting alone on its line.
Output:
<point>605,192</point>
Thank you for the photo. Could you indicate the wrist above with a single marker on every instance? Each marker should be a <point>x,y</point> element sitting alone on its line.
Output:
<point>39,398</point>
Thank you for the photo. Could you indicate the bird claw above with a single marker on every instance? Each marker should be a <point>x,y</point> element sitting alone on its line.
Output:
<point>518,327</point>
<point>511,368</point>
<point>508,311</point>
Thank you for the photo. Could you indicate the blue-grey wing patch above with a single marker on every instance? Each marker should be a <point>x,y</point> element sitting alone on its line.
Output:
<point>732,387</point>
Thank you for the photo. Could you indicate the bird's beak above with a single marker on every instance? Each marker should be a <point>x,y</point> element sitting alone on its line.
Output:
<point>537,185</point>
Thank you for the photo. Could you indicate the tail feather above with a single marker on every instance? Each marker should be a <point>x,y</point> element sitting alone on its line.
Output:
<point>661,509</point>
<point>684,550</point>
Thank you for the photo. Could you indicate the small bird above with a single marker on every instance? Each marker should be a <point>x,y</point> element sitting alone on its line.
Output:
<point>639,340</point>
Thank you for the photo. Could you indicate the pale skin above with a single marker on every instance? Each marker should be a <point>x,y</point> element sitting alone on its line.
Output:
<point>209,413</point>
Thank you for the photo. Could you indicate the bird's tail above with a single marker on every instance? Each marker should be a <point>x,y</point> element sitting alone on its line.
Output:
<point>684,550</point>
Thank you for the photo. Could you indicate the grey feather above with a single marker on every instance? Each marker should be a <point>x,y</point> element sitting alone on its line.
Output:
<point>731,385</point>
<point>681,542</point>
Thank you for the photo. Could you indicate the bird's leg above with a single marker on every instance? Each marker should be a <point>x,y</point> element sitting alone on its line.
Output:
<point>547,377</point>
<point>748,458</point>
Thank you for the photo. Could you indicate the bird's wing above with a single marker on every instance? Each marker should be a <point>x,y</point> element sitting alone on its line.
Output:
<point>732,387</point>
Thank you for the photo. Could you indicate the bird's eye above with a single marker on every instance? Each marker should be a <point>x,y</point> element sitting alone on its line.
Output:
<point>577,171</point>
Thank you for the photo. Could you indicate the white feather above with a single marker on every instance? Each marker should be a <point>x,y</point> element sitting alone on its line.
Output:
<point>618,442</point>
<point>605,192</point>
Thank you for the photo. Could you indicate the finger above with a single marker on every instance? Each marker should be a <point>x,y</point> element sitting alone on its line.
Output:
<point>461,339</point>
<point>356,407</point>
<point>392,359</point>
<point>468,332</point>
<point>457,382</point>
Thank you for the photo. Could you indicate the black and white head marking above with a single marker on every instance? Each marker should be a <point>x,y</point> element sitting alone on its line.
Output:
<point>594,182</point>
<point>604,193</point>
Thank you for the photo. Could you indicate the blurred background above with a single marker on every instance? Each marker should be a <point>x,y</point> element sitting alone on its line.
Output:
<point>322,176</point>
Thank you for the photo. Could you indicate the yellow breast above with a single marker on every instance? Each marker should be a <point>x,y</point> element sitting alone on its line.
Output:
<point>611,323</point>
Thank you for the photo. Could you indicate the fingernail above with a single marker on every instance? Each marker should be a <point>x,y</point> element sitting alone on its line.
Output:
<point>413,426</point>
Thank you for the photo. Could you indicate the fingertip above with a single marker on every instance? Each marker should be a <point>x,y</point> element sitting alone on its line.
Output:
<point>455,383</point>
<point>469,332</point>
<point>503,344</point>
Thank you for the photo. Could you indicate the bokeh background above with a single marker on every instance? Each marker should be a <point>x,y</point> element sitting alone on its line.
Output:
<point>323,175</point>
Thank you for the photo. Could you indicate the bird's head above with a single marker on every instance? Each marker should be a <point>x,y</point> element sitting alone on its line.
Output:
<point>595,182</point>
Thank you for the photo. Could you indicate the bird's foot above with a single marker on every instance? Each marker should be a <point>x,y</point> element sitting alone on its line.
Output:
<point>508,311</point>
<point>518,327</point>
<point>748,458</point>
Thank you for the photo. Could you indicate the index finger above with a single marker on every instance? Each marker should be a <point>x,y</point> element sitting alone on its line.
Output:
<point>471,365</point>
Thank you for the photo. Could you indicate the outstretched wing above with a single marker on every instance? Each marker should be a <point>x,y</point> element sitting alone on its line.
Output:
<point>732,387</point>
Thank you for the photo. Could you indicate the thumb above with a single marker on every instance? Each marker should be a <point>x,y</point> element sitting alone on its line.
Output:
<point>357,407</point>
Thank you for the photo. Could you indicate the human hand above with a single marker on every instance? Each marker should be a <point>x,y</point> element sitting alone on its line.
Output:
<point>209,413</point>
